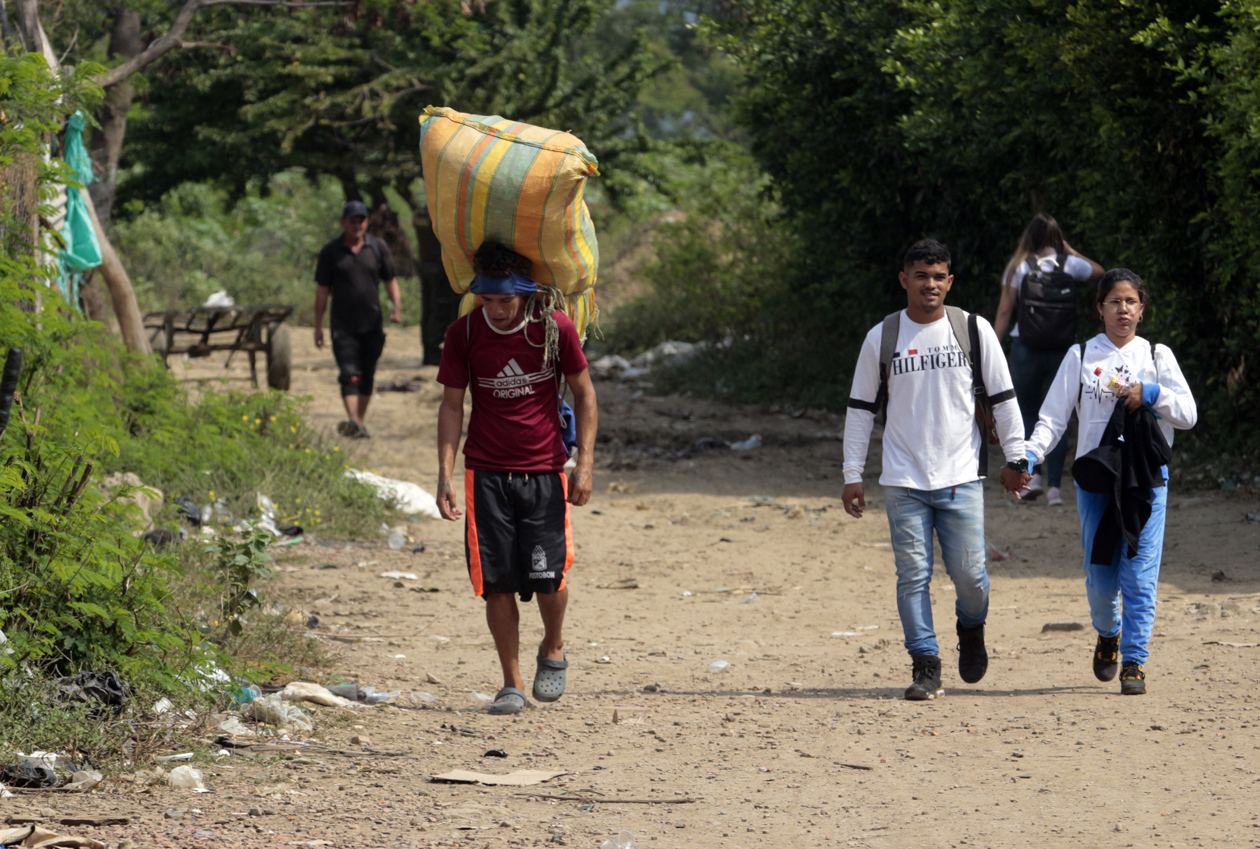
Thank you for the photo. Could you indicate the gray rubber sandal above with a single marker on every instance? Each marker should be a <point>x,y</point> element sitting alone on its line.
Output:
<point>507,702</point>
<point>549,680</point>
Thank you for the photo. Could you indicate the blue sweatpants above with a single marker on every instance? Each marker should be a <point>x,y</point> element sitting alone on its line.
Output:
<point>1122,594</point>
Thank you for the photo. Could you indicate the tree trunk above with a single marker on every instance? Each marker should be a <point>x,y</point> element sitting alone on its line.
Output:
<point>383,223</point>
<point>439,302</point>
<point>95,307</point>
<point>120,291</point>
<point>115,276</point>
<point>33,36</point>
<point>124,43</point>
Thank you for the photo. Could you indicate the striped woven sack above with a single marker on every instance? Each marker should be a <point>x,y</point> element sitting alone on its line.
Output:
<point>490,178</point>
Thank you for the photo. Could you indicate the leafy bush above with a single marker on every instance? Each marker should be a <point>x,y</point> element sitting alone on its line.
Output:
<point>883,121</point>
<point>717,267</point>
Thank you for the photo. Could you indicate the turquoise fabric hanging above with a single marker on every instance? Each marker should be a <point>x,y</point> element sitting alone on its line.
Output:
<point>83,249</point>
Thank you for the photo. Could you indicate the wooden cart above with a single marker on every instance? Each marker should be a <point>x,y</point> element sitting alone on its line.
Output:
<point>236,328</point>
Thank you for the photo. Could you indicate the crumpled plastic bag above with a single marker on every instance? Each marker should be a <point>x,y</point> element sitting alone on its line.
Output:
<point>84,779</point>
<point>274,711</point>
<point>187,777</point>
<point>233,727</point>
<point>411,498</point>
<point>301,691</point>
<point>29,774</point>
<point>99,689</point>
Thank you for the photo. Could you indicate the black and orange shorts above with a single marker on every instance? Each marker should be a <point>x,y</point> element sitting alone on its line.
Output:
<point>517,535</point>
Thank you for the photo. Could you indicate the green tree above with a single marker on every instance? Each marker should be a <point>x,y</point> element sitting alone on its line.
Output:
<point>327,94</point>
<point>884,121</point>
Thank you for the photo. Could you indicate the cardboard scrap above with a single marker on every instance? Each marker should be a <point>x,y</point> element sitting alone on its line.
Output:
<point>33,835</point>
<point>520,778</point>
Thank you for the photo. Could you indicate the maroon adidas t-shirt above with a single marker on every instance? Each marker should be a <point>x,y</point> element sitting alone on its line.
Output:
<point>515,426</point>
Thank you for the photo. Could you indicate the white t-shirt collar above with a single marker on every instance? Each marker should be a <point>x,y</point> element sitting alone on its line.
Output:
<point>515,329</point>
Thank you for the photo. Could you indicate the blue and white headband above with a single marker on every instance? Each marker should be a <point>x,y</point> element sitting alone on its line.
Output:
<point>513,285</point>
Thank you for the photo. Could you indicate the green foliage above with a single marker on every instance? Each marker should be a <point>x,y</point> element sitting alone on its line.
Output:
<point>261,250</point>
<point>239,563</point>
<point>340,95</point>
<point>717,261</point>
<point>32,103</point>
<point>883,121</point>
<point>82,591</point>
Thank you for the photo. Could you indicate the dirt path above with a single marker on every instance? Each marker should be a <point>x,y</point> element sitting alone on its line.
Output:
<point>804,740</point>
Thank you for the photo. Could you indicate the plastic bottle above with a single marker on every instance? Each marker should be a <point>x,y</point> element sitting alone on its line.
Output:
<point>1114,383</point>
<point>242,695</point>
<point>719,666</point>
<point>397,540</point>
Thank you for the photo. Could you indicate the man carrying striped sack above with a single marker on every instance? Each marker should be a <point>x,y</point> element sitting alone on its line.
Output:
<point>513,353</point>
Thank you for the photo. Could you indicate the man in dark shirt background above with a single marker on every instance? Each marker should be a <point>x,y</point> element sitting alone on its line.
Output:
<point>351,269</point>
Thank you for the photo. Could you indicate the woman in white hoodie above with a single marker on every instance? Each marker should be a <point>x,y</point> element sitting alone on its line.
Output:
<point>1122,593</point>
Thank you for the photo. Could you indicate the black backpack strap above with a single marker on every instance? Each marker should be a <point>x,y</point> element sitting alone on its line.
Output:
<point>1080,387</point>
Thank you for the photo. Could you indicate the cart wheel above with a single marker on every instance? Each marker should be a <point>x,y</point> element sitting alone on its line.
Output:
<point>157,342</point>
<point>279,358</point>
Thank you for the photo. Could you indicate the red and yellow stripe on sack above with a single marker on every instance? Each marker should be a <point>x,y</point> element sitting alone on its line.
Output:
<point>490,178</point>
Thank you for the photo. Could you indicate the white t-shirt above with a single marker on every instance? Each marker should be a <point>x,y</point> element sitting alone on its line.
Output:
<point>931,440</point>
<point>1073,265</point>
<point>1135,362</point>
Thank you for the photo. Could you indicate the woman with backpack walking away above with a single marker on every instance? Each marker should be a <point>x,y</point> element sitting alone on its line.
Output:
<point>1129,395</point>
<point>1044,302</point>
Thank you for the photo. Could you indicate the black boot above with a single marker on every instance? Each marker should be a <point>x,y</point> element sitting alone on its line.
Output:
<point>1106,657</point>
<point>1132,679</point>
<point>927,678</point>
<point>973,660</point>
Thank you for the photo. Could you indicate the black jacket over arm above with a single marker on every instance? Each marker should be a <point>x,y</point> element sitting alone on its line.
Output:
<point>1125,465</point>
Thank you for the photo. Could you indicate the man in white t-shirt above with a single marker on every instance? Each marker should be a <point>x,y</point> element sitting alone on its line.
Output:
<point>931,460</point>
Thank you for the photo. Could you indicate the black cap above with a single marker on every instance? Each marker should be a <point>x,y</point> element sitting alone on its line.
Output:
<point>355,209</point>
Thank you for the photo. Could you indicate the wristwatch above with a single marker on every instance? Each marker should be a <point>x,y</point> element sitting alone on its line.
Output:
<point>1020,465</point>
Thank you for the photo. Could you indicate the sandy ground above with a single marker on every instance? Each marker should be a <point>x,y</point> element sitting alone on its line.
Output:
<point>804,740</point>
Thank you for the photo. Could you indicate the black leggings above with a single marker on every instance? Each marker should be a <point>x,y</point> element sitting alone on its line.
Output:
<point>356,355</point>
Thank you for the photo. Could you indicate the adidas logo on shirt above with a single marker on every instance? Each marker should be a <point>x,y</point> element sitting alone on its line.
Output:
<point>513,382</point>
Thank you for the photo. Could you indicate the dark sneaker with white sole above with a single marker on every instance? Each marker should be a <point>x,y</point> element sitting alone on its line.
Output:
<point>1132,679</point>
<point>1107,657</point>
<point>973,659</point>
<point>927,679</point>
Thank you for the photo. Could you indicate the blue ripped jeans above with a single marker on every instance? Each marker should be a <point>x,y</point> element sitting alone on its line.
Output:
<point>957,515</point>
<point>1122,594</point>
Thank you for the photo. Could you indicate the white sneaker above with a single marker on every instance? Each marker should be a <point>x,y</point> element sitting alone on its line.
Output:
<point>1053,497</point>
<point>1034,489</point>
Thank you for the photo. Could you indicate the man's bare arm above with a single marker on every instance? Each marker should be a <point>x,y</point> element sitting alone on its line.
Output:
<point>1006,306</point>
<point>586,417</point>
<point>395,297</point>
<point>450,428</point>
<point>321,301</point>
